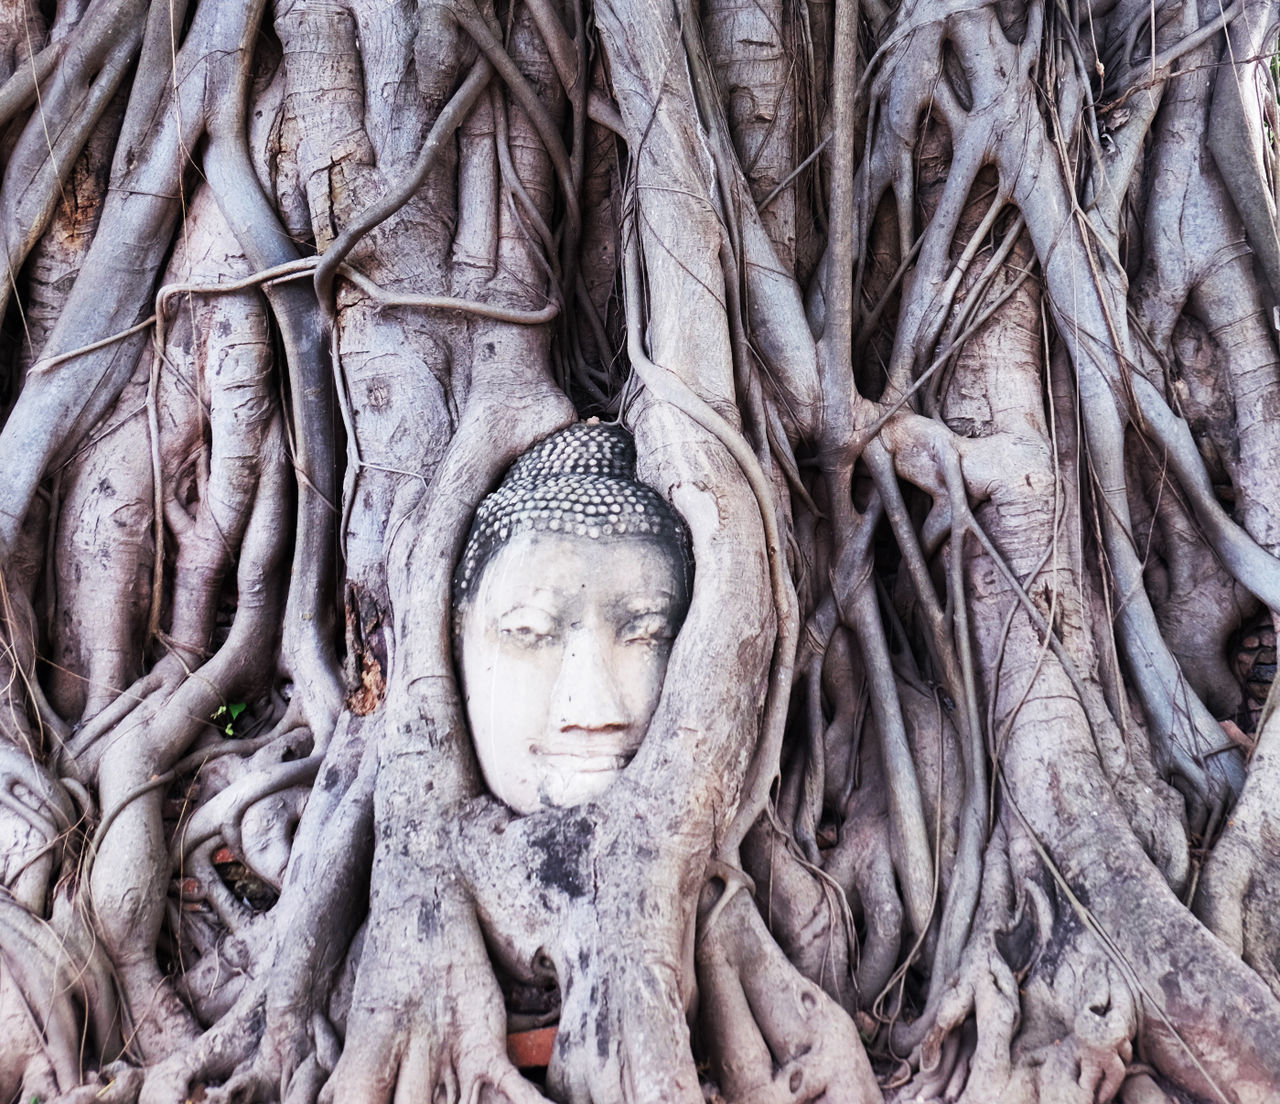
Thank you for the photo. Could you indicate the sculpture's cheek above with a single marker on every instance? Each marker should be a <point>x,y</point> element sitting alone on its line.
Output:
<point>507,705</point>
<point>642,668</point>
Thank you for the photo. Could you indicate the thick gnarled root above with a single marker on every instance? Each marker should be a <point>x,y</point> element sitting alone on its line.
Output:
<point>1237,894</point>
<point>58,993</point>
<point>442,1042</point>
<point>773,1036</point>
<point>1037,1010</point>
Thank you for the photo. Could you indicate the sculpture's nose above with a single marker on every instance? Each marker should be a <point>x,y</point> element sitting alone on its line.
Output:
<point>588,696</point>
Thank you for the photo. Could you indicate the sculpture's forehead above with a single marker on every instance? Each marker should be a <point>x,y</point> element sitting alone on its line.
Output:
<point>555,568</point>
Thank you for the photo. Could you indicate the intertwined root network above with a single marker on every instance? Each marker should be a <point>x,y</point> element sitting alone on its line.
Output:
<point>948,329</point>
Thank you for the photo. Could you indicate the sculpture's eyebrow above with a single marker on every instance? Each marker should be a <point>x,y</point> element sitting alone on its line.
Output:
<point>659,600</point>
<point>545,595</point>
<point>532,603</point>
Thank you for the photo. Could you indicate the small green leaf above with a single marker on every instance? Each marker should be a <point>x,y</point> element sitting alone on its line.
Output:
<point>235,709</point>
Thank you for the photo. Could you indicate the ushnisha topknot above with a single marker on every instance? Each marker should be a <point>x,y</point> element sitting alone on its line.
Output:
<point>579,482</point>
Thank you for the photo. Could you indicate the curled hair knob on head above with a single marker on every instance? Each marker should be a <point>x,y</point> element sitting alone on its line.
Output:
<point>578,482</point>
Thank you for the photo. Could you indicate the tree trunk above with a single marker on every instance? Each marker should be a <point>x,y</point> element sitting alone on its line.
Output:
<point>949,330</point>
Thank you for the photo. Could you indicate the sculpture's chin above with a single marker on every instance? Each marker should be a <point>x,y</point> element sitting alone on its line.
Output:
<point>557,779</point>
<point>573,779</point>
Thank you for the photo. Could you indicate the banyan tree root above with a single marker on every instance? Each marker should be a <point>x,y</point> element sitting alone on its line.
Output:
<point>978,453</point>
<point>772,1034</point>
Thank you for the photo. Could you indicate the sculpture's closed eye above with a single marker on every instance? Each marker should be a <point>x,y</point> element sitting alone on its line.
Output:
<point>648,628</point>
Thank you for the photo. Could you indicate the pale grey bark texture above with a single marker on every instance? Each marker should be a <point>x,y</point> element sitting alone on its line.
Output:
<point>949,328</point>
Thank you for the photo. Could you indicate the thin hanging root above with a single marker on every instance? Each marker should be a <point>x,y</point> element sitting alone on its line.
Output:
<point>929,374</point>
<point>954,652</point>
<point>319,898</point>
<point>859,610</point>
<point>527,210</point>
<point>813,785</point>
<point>50,363</point>
<point>442,132</point>
<point>305,268</point>
<point>1227,131</point>
<point>20,88</point>
<point>860,864</point>
<point>921,322</point>
<point>164,120</point>
<point>23,693</point>
<point>1250,564</point>
<point>470,19</point>
<point>70,108</point>
<point>1116,954</point>
<point>128,879</point>
<point>871,319</point>
<point>570,69</point>
<point>965,522</point>
<point>114,714</point>
<point>65,983</point>
<point>308,649</point>
<point>966,878</point>
<point>491,311</point>
<point>1062,235</point>
<point>806,908</point>
<point>28,960</point>
<point>230,395</point>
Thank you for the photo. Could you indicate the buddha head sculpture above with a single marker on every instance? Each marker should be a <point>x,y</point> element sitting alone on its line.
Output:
<point>572,586</point>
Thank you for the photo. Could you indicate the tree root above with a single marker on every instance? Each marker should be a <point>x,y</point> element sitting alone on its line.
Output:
<point>116,1083</point>
<point>774,1037</point>
<point>55,975</point>
<point>805,913</point>
<point>1237,894</point>
<point>965,748</point>
<point>444,1043</point>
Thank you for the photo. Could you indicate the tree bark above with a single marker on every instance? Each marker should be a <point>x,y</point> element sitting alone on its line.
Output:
<point>948,330</point>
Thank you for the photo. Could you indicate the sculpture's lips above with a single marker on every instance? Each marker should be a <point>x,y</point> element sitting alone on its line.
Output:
<point>585,762</point>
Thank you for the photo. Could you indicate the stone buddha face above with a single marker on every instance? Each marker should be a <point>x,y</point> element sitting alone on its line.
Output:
<point>564,649</point>
<point>569,602</point>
